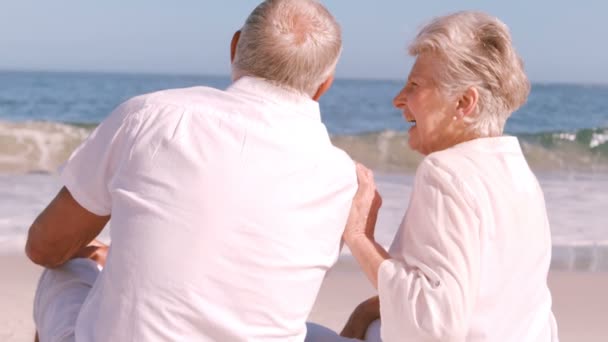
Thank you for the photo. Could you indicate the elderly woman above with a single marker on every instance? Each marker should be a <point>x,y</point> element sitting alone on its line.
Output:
<point>470,260</point>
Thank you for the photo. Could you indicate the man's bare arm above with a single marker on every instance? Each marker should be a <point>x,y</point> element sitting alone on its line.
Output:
<point>61,230</point>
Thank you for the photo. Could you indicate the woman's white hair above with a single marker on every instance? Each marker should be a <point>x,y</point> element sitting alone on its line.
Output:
<point>293,43</point>
<point>475,50</point>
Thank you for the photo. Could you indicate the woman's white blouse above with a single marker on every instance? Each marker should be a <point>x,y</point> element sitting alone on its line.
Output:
<point>471,257</point>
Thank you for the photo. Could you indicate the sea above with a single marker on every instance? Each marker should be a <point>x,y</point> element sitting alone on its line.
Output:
<point>563,130</point>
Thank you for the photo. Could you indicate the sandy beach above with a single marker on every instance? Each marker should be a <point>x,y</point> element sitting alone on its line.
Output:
<point>580,300</point>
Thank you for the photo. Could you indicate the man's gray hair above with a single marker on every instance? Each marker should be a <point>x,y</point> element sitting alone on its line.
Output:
<point>292,43</point>
<point>476,50</point>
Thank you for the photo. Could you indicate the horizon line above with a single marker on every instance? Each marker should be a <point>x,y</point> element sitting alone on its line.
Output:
<point>194,74</point>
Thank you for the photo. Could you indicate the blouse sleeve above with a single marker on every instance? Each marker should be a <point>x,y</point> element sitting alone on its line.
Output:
<point>428,288</point>
<point>89,170</point>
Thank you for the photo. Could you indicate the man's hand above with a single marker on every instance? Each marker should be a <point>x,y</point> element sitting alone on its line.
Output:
<point>96,251</point>
<point>361,318</point>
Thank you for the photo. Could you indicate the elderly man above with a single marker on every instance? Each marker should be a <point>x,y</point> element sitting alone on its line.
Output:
<point>227,206</point>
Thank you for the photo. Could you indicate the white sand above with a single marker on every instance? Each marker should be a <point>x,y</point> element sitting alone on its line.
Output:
<point>19,280</point>
<point>580,300</point>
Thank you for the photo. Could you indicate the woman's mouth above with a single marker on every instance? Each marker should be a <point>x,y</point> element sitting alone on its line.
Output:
<point>408,117</point>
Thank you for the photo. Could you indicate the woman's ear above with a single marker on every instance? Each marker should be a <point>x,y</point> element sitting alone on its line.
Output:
<point>467,102</point>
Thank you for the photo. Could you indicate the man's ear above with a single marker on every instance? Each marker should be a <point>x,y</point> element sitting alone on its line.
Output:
<point>323,88</point>
<point>467,102</point>
<point>233,44</point>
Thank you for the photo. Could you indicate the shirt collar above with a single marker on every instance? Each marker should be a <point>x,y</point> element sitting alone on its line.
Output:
<point>505,143</point>
<point>269,92</point>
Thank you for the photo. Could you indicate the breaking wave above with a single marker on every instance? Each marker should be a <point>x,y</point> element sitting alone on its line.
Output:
<point>39,146</point>
<point>585,150</point>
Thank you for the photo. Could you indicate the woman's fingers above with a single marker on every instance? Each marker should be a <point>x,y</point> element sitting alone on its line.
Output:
<point>377,202</point>
<point>364,210</point>
<point>365,178</point>
<point>364,174</point>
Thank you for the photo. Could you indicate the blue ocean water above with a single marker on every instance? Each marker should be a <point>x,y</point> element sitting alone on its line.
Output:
<point>563,130</point>
<point>350,107</point>
<point>561,126</point>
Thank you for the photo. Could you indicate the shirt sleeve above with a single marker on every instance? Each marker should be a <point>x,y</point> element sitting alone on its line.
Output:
<point>89,171</point>
<point>428,288</point>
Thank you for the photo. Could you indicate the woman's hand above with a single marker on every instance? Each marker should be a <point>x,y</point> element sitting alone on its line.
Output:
<point>361,318</point>
<point>359,231</point>
<point>364,210</point>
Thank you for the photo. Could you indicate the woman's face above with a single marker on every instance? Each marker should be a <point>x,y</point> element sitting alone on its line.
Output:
<point>431,112</point>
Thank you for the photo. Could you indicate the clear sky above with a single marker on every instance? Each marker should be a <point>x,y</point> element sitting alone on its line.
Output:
<point>560,41</point>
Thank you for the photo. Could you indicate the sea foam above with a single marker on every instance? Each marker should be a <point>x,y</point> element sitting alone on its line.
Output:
<point>576,206</point>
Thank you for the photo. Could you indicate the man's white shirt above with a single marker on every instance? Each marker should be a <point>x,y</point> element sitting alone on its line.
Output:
<point>227,210</point>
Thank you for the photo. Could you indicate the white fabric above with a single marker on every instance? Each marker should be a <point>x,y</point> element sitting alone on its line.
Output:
<point>470,260</point>
<point>59,297</point>
<point>227,209</point>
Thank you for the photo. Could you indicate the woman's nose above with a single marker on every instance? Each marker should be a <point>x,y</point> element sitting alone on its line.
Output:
<point>400,100</point>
